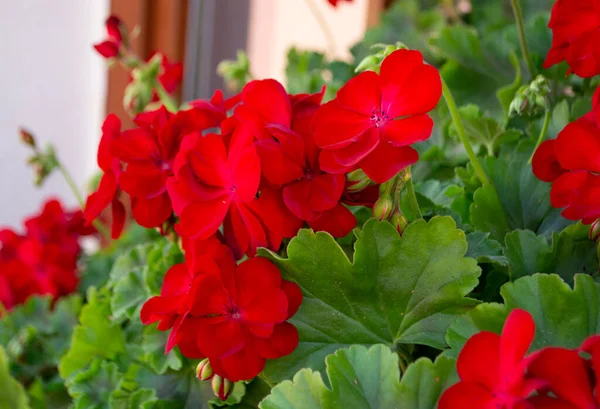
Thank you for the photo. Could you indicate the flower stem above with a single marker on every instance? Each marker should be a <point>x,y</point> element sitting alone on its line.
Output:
<point>547,116</point>
<point>412,198</point>
<point>166,99</point>
<point>314,9</point>
<point>521,29</point>
<point>73,186</point>
<point>462,134</point>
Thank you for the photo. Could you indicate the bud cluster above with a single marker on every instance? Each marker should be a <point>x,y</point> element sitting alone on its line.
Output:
<point>531,99</point>
<point>373,62</point>
<point>221,387</point>
<point>43,162</point>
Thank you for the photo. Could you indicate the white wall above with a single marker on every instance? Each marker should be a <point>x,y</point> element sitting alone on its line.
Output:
<point>52,83</point>
<point>277,25</point>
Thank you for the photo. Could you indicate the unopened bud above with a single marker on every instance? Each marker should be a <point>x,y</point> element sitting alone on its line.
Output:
<point>383,208</point>
<point>595,231</point>
<point>370,62</point>
<point>221,387</point>
<point>204,370</point>
<point>373,62</point>
<point>357,181</point>
<point>399,221</point>
<point>27,138</point>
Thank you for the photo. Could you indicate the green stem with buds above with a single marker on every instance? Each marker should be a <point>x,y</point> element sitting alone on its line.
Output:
<point>73,186</point>
<point>167,100</point>
<point>462,134</point>
<point>547,116</point>
<point>521,29</point>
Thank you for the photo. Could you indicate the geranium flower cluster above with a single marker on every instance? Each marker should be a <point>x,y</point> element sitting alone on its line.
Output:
<point>572,163</point>
<point>233,314</point>
<point>495,372</point>
<point>43,260</point>
<point>279,161</point>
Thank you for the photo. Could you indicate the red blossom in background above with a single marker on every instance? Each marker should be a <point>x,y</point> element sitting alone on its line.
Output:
<point>234,315</point>
<point>43,261</point>
<point>170,76</point>
<point>334,3</point>
<point>108,189</point>
<point>575,31</point>
<point>572,163</point>
<point>375,118</point>
<point>492,368</point>
<point>110,47</point>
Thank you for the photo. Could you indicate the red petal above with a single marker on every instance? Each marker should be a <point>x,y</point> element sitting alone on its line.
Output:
<point>545,164</point>
<point>269,307</point>
<point>338,221</point>
<point>107,49</point>
<point>245,174</point>
<point>295,197</point>
<point>177,281</point>
<point>386,161</point>
<point>98,201</point>
<point>409,88</point>
<point>269,99</point>
<point>361,94</point>
<point>546,402</point>
<point>578,147</point>
<point>294,297</point>
<point>326,191</point>
<point>244,365</point>
<point>255,277</point>
<point>135,144</point>
<point>406,131</point>
<point>479,360</point>
<point>516,338</point>
<point>202,219</point>
<point>566,373</point>
<point>156,308</point>
<point>329,163</point>
<point>278,219</point>
<point>564,187</point>
<point>365,144</point>
<point>118,218</point>
<point>336,127</point>
<point>152,212</point>
<point>220,338</point>
<point>465,395</point>
<point>283,342</point>
<point>275,164</point>
<point>143,179</point>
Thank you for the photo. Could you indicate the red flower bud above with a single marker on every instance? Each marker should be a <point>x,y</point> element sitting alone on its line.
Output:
<point>204,370</point>
<point>221,387</point>
<point>399,221</point>
<point>383,208</point>
<point>27,138</point>
<point>595,231</point>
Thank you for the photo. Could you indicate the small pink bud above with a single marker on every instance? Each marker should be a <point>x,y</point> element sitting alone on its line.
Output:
<point>221,387</point>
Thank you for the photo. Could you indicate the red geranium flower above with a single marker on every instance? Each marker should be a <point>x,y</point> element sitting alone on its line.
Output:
<point>109,48</point>
<point>238,318</point>
<point>169,76</point>
<point>149,152</point>
<point>492,368</point>
<point>575,31</point>
<point>374,118</point>
<point>572,163</point>
<point>173,303</point>
<point>108,190</point>
<point>44,259</point>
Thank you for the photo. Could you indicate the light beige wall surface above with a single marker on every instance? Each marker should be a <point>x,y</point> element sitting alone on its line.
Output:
<point>276,25</point>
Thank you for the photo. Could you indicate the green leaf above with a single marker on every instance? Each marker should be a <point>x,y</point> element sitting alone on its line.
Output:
<point>256,391</point>
<point>529,254</point>
<point>304,71</point>
<point>364,378</point>
<point>564,317</point>
<point>92,388</point>
<point>507,93</point>
<point>97,336</point>
<point>153,345</point>
<point>365,302</point>
<point>519,201</point>
<point>484,249</point>
<point>12,393</point>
